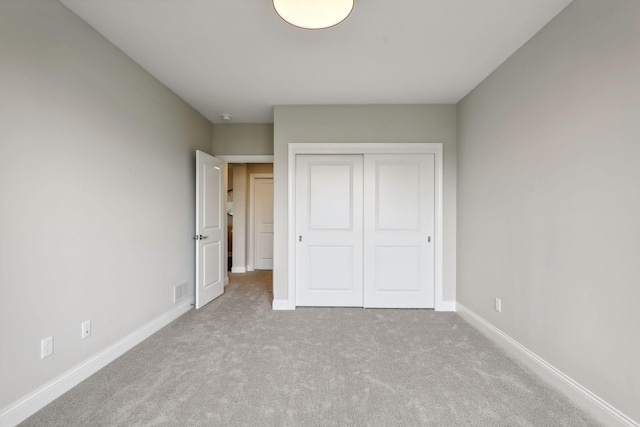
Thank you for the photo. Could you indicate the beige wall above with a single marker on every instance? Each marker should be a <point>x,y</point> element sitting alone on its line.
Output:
<point>259,168</point>
<point>242,139</point>
<point>96,193</point>
<point>549,197</point>
<point>381,123</point>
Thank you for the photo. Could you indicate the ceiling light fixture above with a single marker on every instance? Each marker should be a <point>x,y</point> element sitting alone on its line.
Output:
<point>226,117</point>
<point>313,14</point>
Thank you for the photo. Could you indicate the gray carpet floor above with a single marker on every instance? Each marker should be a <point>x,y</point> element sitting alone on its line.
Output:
<point>238,363</point>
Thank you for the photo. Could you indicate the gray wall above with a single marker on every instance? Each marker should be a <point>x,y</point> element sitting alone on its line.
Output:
<point>242,139</point>
<point>380,123</point>
<point>549,197</point>
<point>96,193</point>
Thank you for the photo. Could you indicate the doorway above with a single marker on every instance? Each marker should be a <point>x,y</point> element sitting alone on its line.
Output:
<point>240,242</point>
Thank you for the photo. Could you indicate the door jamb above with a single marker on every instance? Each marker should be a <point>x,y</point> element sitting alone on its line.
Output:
<point>240,158</point>
<point>366,148</point>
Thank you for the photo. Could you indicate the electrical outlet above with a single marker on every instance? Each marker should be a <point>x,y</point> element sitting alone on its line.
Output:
<point>46,347</point>
<point>498,305</point>
<point>86,329</point>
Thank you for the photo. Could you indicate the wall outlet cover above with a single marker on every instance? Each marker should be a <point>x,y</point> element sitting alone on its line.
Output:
<point>86,329</point>
<point>46,347</point>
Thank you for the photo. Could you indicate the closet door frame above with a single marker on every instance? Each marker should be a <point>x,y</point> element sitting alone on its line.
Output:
<point>366,148</point>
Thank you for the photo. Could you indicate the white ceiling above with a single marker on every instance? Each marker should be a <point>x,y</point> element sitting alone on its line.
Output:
<point>238,57</point>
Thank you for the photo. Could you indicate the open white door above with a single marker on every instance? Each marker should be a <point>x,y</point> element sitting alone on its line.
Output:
<point>210,225</point>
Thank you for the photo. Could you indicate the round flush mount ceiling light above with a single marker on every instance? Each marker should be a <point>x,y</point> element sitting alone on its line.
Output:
<point>313,14</point>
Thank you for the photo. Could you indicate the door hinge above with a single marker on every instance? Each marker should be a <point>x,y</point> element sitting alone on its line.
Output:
<point>429,239</point>
<point>299,238</point>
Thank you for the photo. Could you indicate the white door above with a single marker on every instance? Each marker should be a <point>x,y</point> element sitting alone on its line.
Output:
<point>329,230</point>
<point>210,224</point>
<point>365,229</point>
<point>399,224</point>
<point>263,223</point>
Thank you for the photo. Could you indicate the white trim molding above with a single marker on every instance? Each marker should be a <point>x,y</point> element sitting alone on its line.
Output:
<point>238,269</point>
<point>446,306</point>
<point>46,394</point>
<point>366,148</point>
<point>281,304</point>
<point>581,396</point>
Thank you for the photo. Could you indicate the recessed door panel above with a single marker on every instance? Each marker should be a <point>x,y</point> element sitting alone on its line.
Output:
<point>397,196</point>
<point>330,207</point>
<point>330,268</point>
<point>266,245</point>
<point>212,273</point>
<point>211,182</point>
<point>398,269</point>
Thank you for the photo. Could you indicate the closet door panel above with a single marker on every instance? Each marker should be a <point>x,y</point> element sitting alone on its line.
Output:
<point>329,237</point>
<point>397,268</point>
<point>399,224</point>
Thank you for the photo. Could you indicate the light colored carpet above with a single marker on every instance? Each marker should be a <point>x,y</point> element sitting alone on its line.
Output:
<point>238,363</point>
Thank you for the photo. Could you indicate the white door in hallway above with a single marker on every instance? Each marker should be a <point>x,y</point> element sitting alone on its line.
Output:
<point>263,223</point>
<point>399,226</point>
<point>329,230</point>
<point>210,223</point>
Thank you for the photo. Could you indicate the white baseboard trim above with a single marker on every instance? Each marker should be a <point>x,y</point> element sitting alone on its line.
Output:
<point>38,399</point>
<point>281,304</point>
<point>582,397</point>
<point>238,269</point>
<point>446,306</point>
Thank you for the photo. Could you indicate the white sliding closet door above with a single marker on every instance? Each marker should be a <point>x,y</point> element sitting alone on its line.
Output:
<point>329,230</point>
<point>399,224</point>
<point>365,226</point>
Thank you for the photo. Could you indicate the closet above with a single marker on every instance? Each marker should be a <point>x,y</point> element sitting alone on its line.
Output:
<point>365,230</point>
